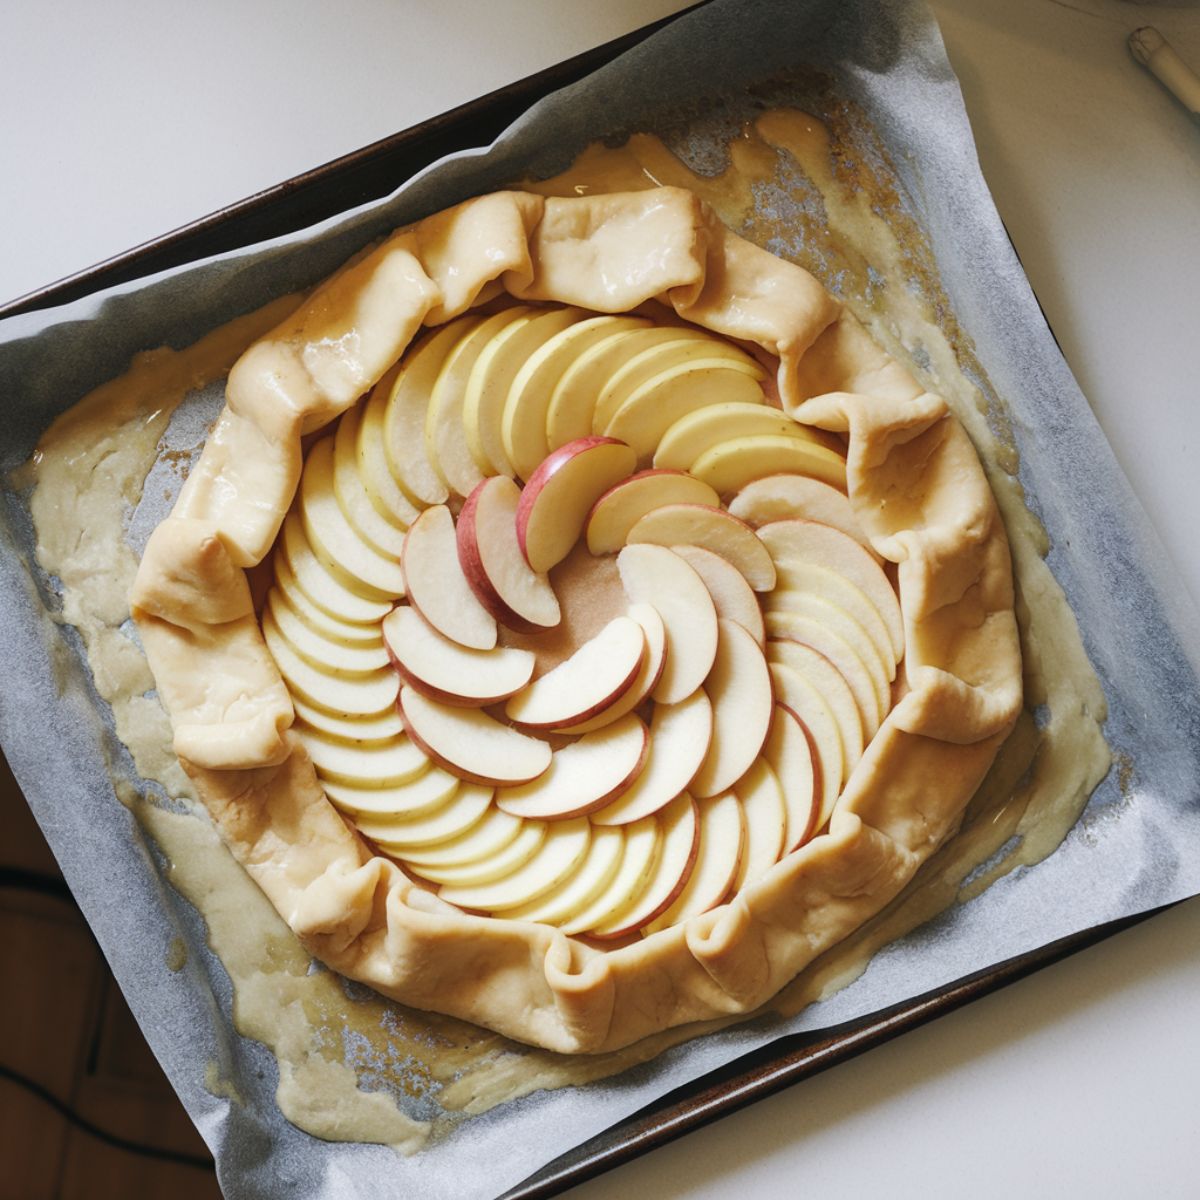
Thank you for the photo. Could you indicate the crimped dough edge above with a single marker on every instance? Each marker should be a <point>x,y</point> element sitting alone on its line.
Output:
<point>917,488</point>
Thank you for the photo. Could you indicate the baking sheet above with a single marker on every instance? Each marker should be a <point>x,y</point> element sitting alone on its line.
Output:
<point>1134,849</point>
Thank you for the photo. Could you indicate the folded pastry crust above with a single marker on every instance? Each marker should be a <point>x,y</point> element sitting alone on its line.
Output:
<point>916,486</point>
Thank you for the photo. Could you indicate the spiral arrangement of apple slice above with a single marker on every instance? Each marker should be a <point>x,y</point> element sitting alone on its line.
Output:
<point>678,753</point>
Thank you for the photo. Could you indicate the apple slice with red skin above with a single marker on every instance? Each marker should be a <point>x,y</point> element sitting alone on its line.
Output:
<point>789,754</point>
<point>558,496</point>
<point>799,696</point>
<point>471,744</point>
<point>834,689</point>
<point>437,586</point>
<point>625,503</point>
<point>766,814</point>
<point>594,677</point>
<point>583,776</point>
<point>495,567</point>
<point>447,671</point>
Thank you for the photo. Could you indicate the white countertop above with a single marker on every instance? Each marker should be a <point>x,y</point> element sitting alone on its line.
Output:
<point>128,119</point>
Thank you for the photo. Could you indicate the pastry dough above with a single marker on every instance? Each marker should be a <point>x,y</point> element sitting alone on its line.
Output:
<point>917,490</point>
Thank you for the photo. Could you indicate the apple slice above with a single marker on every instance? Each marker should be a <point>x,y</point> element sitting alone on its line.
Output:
<point>780,497</point>
<point>445,436</point>
<point>649,675</point>
<point>523,427</point>
<point>447,671</point>
<point>374,727</point>
<point>327,591</point>
<point>715,530</point>
<point>696,432</point>
<point>332,627</point>
<point>583,776</point>
<point>577,892</point>
<point>657,576</point>
<point>789,754</point>
<point>491,559</point>
<point>560,493</point>
<point>640,850</point>
<point>383,536</point>
<point>437,586</point>
<point>730,466</point>
<point>680,840</point>
<point>731,594</point>
<point>766,817</point>
<point>821,545</point>
<point>626,503</point>
<point>382,764</point>
<point>718,852</point>
<point>416,798</point>
<point>834,689</point>
<point>373,467</point>
<point>680,735</point>
<point>472,744</point>
<point>595,676</point>
<point>803,700</point>
<point>469,805</point>
<point>739,689</point>
<point>319,650</point>
<point>497,835</point>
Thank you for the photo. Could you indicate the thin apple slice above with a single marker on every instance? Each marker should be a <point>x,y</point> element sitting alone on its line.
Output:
<point>437,587</point>
<point>378,764</point>
<point>680,735</point>
<point>809,542</point>
<point>647,677</point>
<point>521,841</point>
<point>525,409</point>
<point>781,497</point>
<point>373,467</point>
<point>560,493</point>
<point>626,503</point>
<point>803,700</point>
<point>447,671</point>
<point>739,689</point>
<point>383,536</point>
<point>445,436</point>
<point>469,805</point>
<point>574,894</point>
<point>680,840</point>
<point>641,846</point>
<point>417,798</point>
<point>790,755</point>
<point>583,776</point>
<point>492,378</point>
<point>657,404</point>
<point>491,559</point>
<point>718,852</point>
<point>730,466</point>
<point>318,649</point>
<point>561,852</point>
<point>407,405</point>
<point>333,597</point>
<point>715,530</point>
<point>495,835</point>
<point>834,689</point>
<point>657,576</point>
<point>334,628</point>
<point>374,727</point>
<point>731,595</point>
<point>595,676</point>
<point>470,743</point>
<point>766,816</point>
<point>697,432</point>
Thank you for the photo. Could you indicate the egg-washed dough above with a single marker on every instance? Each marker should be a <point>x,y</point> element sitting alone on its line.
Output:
<point>919,493</point>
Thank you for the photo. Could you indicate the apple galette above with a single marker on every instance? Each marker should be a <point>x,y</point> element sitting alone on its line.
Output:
<point>629,627</point>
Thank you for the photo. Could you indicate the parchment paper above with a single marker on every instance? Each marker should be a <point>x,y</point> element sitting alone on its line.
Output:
<point>1136,848</point>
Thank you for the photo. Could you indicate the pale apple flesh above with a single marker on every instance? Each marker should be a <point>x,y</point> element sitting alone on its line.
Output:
<point>766,820</point>
<point>732,596</point>
<point>573,895</point>
<point>620,508</point>
<point>730,466</point>
<point>784,497</point>
<point>469,805</point>
<point>789,754</point>
<point>834,689</point>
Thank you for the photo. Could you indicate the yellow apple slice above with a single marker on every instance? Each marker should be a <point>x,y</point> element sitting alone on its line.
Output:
<point>333,597</point>
<point>319,650</point>
<point>780,497</point>
<point>657,404</point>
<point>491,558</point>
<point>464,810</point>
<point>407,405</point>
<point>342,694</point>
<point>562,850</point>
<point>437,586</point>
<point>790,756</point>
<point>523,427</point>
<point>497,835</point>
<point>583,776</point>
<point>640,851</point>
<point>492,378</point>
<point>809,542</point>
<point>383,536</point>
<point>374,727</point>
<point>379,764</point>
<point>373,467</point>
<point>447,671</point>
<point>595,676</point>
<point>624,504</point>
<point>571,896</point>
<point>715,530</point>
<point>697,432</point>
<point>805,703</point>
<point>416,798</point>
<point>680,840</point>
<point>834,689</point>
<point>766,817</point>
<point>730,466</point>
<point>718,852</point>
<point>739,689</point>
<point>647,677</point>
<point>731,595</point>
<point>445,435</point>
<point>333,539</point>
<point>470,743</point>
<point>657,576</point>
<point>560,493</point>
<point>680,735</point>
<point>334,628</point>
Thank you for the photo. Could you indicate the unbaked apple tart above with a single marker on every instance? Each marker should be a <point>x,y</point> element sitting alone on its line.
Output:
<point>633,626</point>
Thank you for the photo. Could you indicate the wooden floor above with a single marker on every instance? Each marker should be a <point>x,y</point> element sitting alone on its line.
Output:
<point>64,1024</point>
